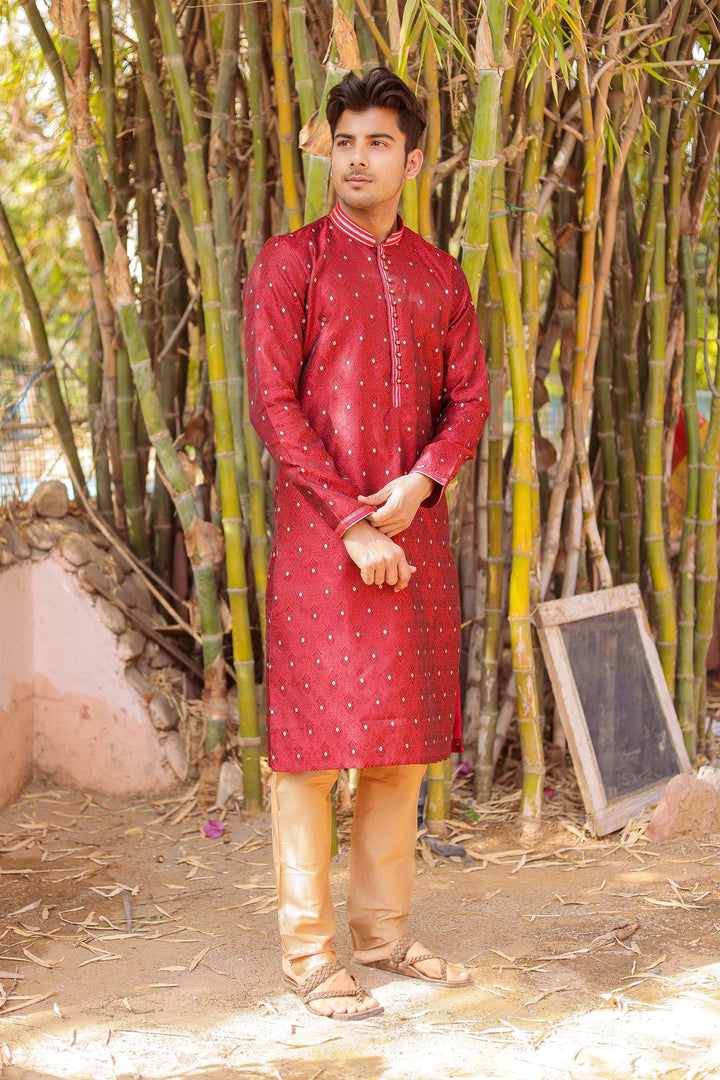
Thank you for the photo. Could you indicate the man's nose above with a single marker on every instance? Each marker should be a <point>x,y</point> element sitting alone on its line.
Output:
<point>357,158</point>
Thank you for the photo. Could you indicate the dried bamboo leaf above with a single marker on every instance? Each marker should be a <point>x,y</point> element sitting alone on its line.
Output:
<point>155,986</point>
<point>42,963</point>
<point>545,994</point>
<point>28,1002</point>
<point>100,959</point>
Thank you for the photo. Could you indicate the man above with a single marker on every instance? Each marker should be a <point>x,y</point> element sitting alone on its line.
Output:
<point>368,386</point>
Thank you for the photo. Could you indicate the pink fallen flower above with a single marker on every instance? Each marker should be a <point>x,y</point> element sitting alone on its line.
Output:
<point>213,828</point>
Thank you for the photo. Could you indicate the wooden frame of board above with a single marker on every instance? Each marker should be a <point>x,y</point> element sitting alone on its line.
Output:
<point>604,815</point>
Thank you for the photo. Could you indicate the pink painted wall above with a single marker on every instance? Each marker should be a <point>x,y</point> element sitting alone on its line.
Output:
<point>16,681</point>
<point>66,707</point>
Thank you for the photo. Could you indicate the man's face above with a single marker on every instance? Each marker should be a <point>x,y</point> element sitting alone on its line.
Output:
<point>369,163</point>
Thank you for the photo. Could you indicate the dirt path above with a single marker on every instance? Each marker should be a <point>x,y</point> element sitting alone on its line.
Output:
<point>593,958</point>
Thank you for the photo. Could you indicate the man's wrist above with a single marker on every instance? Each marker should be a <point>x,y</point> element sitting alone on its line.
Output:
<point>426,484</point>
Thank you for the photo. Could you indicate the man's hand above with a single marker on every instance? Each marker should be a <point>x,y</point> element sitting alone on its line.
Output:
<point>381,562</point>
<point>399,502</point>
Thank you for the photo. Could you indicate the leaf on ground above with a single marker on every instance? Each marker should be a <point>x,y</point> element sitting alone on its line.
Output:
<point>155,986</point>
<point>545,994</point>
<point>42,963</point>
<point>100,959</point>
<point>28,1002</point>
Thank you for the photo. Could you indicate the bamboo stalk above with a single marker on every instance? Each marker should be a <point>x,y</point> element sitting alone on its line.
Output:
<point>318,173</point>
<point>132,482</point>
<point>432,142</point>
<point>483,146</point>
<point>685,681</point>
<point>488,675</point>
<point>706,562</point>
<point>652,499</point>
<point>519,595</point>
<point>582,367</point>
<point>283,102</point>
<point>95,423</point>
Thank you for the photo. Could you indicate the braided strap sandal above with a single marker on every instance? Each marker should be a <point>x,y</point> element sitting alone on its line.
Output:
<point>308,991</point>
<point>397,963</point>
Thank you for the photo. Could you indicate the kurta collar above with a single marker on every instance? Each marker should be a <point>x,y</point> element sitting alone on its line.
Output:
<point>340,219</point>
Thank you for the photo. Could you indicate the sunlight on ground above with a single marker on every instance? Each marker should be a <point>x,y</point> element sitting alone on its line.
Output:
<point>431,1035</point>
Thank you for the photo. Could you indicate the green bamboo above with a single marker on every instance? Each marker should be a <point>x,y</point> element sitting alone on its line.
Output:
<point>706,561</point>
<point>483,146</point>
<point>606,438</point>
<point>224,243</point>
<point>629,506</point>
<point>50,383</point>
<point>225,455</point>
<point>132,480</point>
<point>685,680</point>
<point>318,176</point>
<point>283,103</point>
<point>519,595</point>
<point>653,468</point>
<point>95,423</point>
<point>161,511</point>
<point>432,143</point>
<point>303,80</point>
<point>255,233</point>
<point>582,372</point>
<point>488,681</point>
<point>107,67</point>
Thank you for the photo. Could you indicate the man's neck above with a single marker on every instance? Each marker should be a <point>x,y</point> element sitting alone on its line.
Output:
<point>380,222</point>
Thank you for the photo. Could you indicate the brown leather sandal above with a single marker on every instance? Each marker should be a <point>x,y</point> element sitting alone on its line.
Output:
<point>398,964</point>
<point>308,991</point>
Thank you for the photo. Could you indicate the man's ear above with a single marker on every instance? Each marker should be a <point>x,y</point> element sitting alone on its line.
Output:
<point>413,164</point>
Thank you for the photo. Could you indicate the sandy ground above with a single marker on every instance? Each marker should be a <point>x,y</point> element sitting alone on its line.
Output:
<point>592,958</point>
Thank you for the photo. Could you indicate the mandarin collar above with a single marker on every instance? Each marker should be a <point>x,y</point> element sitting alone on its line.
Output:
<point>340,219</point>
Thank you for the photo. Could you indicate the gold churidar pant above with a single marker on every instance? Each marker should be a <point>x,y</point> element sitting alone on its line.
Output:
<point>382,861</point>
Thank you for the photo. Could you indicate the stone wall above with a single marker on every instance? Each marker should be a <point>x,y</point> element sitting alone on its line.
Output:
<point>88,698</point>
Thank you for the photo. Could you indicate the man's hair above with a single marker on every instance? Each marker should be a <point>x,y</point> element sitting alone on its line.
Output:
<point>380,89</point>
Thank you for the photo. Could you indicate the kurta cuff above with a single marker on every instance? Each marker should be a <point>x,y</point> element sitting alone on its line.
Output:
<point>352,519</point>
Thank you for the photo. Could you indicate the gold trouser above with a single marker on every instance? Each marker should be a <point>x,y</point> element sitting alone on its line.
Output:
<point>382,861</point>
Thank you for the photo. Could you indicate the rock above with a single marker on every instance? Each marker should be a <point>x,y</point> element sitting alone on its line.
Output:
<point>41,535</point>
<point>93,580</point>
<point>143,618</point>
<point>50,499</point>
<point>151,650</point>
<point>161,659</point>
<point>688,806</point>
<point>710,774</point>
<point>38,556</point>
<point>15,541</point>
<point>6,556</point>
<point>230,782</point>
<point>121,567</point>
<point>77,550</point>
<point>131,643</point>
<point>162,714</point>
<point>110,616</point>
<point>135,593</point>
<point>175,753</point>
<point>140,685</point>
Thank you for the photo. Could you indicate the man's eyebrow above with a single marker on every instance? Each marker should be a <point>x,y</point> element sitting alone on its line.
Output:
<point>374,135</point>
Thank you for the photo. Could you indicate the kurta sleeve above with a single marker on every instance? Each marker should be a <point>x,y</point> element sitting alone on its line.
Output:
<point>274,335</point>
<point>465,397</point>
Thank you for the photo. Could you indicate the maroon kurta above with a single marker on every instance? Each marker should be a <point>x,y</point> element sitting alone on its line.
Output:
<point>364,363</point>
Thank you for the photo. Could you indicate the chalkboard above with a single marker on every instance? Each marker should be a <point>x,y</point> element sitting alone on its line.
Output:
<point>613,702</point>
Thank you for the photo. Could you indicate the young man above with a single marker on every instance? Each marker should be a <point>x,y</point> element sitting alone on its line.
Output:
<point>367,384</point>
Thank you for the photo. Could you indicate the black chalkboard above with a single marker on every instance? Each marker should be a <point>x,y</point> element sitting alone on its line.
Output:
<point>613,701</point>
<point>625,720</point>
